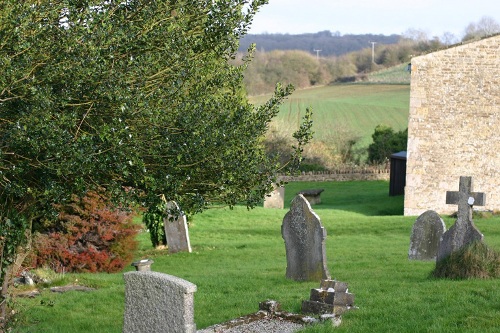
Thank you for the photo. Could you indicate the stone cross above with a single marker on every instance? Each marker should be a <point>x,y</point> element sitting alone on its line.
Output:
<point>305,242</point>
<point>463,232</point>
<point>465,198</point>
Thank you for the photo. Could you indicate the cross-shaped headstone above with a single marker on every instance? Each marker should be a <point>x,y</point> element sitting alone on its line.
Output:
<point>465,198</point>
<point>463,232</point>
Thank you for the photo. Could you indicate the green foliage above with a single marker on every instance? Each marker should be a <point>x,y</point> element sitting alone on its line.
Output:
<point>12,234</point>
<point>385,143</point>
<point>475,261</point>
<point>13,228</point>
<point>136,98</point>
<point>153,219</point>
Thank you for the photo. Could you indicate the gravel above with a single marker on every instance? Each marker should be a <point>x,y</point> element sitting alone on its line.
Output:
<point>265,325</point>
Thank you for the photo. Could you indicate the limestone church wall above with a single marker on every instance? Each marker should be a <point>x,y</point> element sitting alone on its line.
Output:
<point>454,125</point>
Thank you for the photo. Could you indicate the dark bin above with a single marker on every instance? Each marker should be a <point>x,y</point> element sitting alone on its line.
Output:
<point>398,174</point>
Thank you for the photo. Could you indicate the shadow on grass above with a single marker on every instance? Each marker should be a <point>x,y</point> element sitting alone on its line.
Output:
<point>370,198</point>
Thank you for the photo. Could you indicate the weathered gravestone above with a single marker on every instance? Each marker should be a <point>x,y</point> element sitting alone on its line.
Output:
<point>275,199</point>
<point>157,302</point>
<point>176,229</point>
<point>305,243</point>
<point>425,236</point>
<point>463,232</point>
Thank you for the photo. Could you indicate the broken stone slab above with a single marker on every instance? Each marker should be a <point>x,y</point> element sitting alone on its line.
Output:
<point>315,307</point>
<point>334,284</point>
<point>331,298</point>
<point>321,295</point>
<point>343,299</point>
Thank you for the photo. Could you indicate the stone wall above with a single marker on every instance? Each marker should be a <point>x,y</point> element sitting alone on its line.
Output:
<point>454,125</point>
<point>375,173</point>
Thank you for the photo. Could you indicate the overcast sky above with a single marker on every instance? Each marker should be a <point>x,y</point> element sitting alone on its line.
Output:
<point>372,16</point>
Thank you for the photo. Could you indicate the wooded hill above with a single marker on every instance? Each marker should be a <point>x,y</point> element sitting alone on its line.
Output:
<point>330,43</point>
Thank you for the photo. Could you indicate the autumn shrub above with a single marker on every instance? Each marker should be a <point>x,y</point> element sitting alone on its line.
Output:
<point>89,235</point>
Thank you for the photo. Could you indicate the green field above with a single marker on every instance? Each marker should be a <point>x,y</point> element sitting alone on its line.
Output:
<point>239,260</point>
<point>349,108</point>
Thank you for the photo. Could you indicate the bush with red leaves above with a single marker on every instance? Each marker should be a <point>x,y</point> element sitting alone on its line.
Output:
<point>88,236</point>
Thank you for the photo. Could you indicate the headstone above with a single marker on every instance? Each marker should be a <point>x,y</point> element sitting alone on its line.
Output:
<point>463,232</point>
<point>425,236</point>
<point>305,242</point>
<point>276,199</point>
<point>176,229</point>
<point>157,302</point>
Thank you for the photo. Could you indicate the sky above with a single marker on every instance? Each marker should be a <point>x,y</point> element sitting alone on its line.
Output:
<point>435,17</point>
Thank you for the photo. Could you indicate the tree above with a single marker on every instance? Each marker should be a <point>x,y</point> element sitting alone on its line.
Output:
<point>134,97</point>
<point>385,143</point>
<point>486,26</point>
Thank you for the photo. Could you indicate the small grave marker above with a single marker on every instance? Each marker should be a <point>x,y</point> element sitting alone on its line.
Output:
<point>463,232</point>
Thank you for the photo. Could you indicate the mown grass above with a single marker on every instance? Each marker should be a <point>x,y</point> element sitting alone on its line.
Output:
<point>352,109</point>
<point>239,259</point>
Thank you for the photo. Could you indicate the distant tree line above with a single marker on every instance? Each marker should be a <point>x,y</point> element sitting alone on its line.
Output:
<point>330,43</point>
<point>303,69</point>
<point>292,58</point>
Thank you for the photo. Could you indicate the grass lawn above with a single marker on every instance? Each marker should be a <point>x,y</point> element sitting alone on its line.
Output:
<point>239,260</point>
